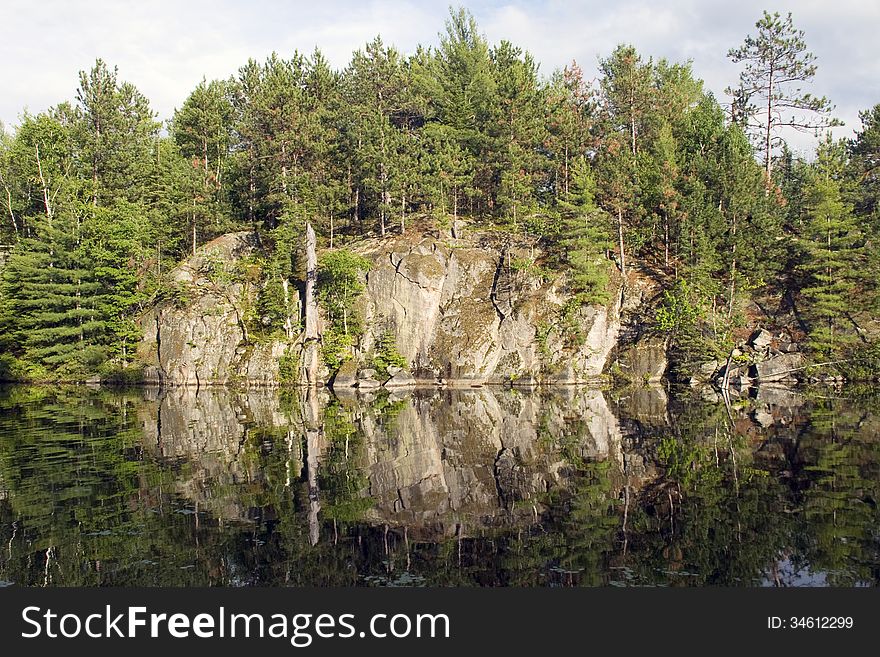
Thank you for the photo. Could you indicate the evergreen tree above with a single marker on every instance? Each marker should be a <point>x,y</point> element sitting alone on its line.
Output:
<point>865,167</point>
<point>571,106</point>
<point>114,130</point>
<point>585,236</point>
<point>202,130</point>
<point>766,100</point>
<point>465,97</point>
<point>518,130</point>
<point>832,244</point>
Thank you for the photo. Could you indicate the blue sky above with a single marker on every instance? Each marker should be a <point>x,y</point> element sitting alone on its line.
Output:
<point>165,49</point>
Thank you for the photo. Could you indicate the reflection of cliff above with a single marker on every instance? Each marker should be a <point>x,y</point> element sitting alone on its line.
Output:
<point>207,430</point>
<point>459,459</point>
<point>439,462</point>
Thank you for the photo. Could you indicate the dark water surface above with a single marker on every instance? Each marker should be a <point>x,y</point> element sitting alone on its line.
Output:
<point>484,487</point>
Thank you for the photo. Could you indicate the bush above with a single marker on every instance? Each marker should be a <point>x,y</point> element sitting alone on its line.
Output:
<point>288,367</point>
<point>335,348</point>
<point>387,355</point>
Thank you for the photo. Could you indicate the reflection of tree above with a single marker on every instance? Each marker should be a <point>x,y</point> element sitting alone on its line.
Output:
<point>840,508</point>
<point>714,519</point>
<point>343,474</point>
<point>83,507</point>
<point>87,499</point>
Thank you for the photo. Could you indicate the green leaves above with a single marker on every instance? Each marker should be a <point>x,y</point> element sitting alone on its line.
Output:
<point>340,284</point>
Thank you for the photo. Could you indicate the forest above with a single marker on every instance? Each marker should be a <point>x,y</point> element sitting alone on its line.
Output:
<point>640,169</point>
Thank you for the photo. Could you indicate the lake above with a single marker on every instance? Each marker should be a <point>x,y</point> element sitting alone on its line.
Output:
<point>472,487</point>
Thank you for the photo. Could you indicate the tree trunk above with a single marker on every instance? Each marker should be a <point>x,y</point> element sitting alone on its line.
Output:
<point>768,160</point>
<point>310,341</point>
<point>732,268</point>
<point>9,208</point>
<point>288,323</point>
<point>194,226</point>
<point>46,204</point>
<point>665,238</point>
<point>620,243</point>
<point>403,213</point>
<point>312,426</point>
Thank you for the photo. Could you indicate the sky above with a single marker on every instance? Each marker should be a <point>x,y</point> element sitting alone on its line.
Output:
<point>165,48</point>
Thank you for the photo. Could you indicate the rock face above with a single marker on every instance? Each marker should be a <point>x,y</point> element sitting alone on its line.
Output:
<point>462,312</point>
<point>197,337</point>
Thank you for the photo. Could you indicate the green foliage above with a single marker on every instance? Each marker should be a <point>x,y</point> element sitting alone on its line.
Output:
<point>288,367</point>
<point>642,167</point>
<point>386,355</point>
<point>768,96</point>
<point>340,284</point>
<point>833,258</point>
<point>336,348</point>
<point>584,236</point>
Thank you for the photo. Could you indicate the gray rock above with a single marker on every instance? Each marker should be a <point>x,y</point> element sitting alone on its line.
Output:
<point>401,379</point>
<point>346,377</point>
<point>788,347</point>
<point>393,369</point>
<point>764,418</point>
<point>761,339</point>
<point>780,396</point>
<point>367,373</point>
<point>646,360</point>
<point>453,316</point>
<point>778,368</point>
<point>706,370</point>
<point>368,384</point>
<point>461,314</point>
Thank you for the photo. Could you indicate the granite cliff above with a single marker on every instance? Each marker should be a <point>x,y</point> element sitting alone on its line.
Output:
<point>465,311</point>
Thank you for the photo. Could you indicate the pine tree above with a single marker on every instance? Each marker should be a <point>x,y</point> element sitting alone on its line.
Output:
<point>571,108</point>
<point>776,59</point>
<point>518,132</point>
<point>865,166</point>
<point>114,130</point>
<point>585,236</point>
<point>50,311</point>
<point>464,99</point>
<point>202,130</point>
<point>832,244</point>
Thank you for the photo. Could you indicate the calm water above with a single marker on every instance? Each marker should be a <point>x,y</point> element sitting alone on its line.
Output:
<point>569,487</point>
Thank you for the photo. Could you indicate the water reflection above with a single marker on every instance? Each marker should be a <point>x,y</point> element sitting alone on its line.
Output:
<point>482,486</point>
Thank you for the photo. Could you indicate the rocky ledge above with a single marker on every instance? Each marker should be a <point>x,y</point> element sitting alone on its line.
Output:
<point>463,311</point>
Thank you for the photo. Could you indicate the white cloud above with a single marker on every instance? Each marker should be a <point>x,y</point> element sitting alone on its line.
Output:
<point>166,47</point>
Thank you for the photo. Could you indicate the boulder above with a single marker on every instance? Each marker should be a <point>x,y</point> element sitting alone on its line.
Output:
<point>646,360</point>
<point>778,368</point>
<point>763,418</point>
<point>761,339</point>
<point>780,396</point>
<point>457,229</point>
<point>367,384</point>
<point>346,377</point>
<point>401,379</point>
